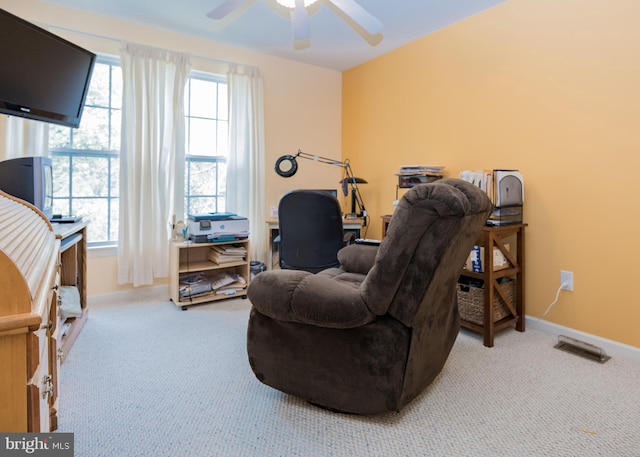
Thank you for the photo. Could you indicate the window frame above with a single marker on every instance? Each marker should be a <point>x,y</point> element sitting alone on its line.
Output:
<point>113,153</point>
<point>195,158</point>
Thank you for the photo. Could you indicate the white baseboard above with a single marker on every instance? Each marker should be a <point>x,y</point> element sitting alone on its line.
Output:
<point>612,348</point>
<point>154,292</point>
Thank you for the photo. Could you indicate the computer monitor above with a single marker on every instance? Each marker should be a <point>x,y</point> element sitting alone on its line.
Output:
<point>333,192</point>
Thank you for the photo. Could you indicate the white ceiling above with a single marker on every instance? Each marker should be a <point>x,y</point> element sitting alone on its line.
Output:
<point>334,44</point>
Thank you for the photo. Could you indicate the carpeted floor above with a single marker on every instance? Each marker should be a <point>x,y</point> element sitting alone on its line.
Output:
<point>147,379</point>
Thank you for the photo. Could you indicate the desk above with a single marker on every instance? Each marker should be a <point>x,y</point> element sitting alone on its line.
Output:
<point>349,225</point>
<point>385,224</point>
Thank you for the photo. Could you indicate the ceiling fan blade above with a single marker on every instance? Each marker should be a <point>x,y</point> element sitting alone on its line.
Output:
<point>359,15</point>
<point>301,28</point>
<point>225,9</point>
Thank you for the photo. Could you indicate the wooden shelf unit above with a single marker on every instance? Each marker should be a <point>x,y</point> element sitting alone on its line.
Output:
<point>491,237</point>
<point>73,272</point>
<point>192,258</point>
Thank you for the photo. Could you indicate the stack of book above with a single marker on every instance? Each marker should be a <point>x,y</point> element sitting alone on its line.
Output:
<point>227,253</point>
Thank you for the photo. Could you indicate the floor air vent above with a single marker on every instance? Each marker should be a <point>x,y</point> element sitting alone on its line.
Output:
<point>582,349</point>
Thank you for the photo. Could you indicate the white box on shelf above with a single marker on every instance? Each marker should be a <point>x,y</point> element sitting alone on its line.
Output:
<point>476,256</point>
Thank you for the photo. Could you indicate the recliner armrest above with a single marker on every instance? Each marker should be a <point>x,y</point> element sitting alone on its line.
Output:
<point>314,299</point>
<point>357,258</point>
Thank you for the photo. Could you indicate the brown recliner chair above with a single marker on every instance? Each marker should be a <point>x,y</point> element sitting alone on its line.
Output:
<point>369,336</point>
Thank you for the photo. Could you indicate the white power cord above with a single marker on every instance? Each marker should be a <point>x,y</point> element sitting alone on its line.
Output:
<point>562,286</point>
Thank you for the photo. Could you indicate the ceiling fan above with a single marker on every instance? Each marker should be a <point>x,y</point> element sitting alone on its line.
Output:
<point>368,26</point>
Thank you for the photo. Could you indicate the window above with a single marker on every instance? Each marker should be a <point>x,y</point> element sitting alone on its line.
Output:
<point>86,160</point>
<point>206,122</point>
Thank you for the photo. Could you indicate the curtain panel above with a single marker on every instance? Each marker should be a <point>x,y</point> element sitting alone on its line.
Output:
<point>23,138</point>
<point>245,177</point>
<point>152,157</point>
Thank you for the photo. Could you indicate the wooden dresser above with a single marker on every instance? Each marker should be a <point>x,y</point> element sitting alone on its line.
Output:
<point>29,279</point>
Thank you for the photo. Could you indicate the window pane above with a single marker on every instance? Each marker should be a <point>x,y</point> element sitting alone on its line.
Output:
<point>99,88</point>
<point>96,210</point>
<point>116,128</point>
<point>115,177</point>
<point>203,98</point>
<point>90,177</point>
<point>203,137</point>
<point>223,104</point>
<point>201,205</point>
<point>222,180</point>
<point>61,207</point>
<point>203,178</point>
<point>61,176</point>
<point>115,218</point>
<point>94,130</point>
<point>223,139</point>
<point>116,87</point>
<point>59,136</point>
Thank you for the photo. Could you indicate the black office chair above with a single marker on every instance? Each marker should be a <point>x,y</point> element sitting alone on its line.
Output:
<point>311,233</point>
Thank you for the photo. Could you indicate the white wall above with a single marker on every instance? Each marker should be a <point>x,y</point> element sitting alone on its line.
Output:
<point>302,102</point>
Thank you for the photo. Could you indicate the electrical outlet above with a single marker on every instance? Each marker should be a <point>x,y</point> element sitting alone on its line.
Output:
<point>566,280</point>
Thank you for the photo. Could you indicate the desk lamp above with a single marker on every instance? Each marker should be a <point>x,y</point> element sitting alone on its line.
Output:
<point>345,182</point>
<point>287,166</point>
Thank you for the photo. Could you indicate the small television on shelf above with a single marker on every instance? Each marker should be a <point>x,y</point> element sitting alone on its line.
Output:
<point>29,179</point>
<point>42,76</point>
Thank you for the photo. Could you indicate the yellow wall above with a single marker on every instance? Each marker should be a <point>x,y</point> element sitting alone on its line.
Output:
<point>549,87</point>
<point>302,102</point>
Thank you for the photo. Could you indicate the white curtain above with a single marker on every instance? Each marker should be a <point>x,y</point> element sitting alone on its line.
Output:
<point>152,159</point>
<point>23,138</point>
<point>245,176</point>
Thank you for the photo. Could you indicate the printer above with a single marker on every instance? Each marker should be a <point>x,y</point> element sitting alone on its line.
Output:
<point>211,227</point>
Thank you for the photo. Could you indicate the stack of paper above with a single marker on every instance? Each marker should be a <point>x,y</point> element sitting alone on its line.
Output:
<point>228,283</point>
<point>420,169</point>
<point>226,253</point>
<point>481,179</point>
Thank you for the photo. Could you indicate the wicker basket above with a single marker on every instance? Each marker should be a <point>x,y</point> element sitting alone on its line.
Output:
<point>471,302</point>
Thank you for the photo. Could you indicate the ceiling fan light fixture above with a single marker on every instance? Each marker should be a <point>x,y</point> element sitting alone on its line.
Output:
<point>291,4</point>
<point>299,11</point>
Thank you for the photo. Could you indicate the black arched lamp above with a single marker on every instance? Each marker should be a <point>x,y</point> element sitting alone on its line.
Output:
<point>355,194</point>
<point>287,166</point>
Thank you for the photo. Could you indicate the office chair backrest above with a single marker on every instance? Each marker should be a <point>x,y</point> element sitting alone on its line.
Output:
<point>311,232</point>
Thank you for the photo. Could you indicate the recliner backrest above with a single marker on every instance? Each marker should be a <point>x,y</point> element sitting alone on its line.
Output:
<point>424,250</point>
<point>311,232</point>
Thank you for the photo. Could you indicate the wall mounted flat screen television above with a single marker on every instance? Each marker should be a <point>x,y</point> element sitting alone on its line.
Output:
<point>42,76</point>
